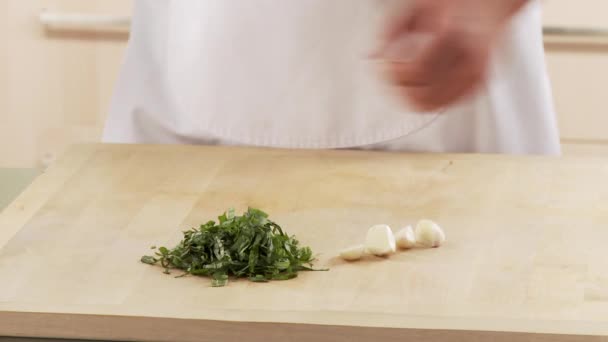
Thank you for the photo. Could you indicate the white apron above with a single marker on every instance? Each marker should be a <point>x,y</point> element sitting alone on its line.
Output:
<point>296,74</point>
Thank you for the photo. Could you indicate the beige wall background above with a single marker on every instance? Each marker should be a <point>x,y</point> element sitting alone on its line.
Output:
<point>579,72</point>
<point>55,87</point>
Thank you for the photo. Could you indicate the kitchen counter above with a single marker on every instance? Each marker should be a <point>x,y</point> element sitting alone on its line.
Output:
<point>525,258</point>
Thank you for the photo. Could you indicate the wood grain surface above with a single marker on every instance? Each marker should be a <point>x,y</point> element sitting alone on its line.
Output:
<point>525,258</point>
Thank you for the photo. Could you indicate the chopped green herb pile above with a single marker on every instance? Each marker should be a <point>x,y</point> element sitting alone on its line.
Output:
<point>249,246</point>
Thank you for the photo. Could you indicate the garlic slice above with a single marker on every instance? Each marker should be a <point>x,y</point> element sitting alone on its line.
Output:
<point>380,240</point>
<point>429,234</point>
<point>353,253</point>
<point>406,239</point>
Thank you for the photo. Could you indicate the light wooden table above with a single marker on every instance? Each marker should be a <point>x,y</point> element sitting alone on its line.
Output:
<point>525,258</point>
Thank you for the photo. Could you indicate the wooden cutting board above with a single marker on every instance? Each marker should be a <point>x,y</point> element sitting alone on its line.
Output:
<point>525,259</point>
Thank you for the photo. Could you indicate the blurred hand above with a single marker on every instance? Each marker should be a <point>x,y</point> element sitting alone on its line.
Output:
<point>451,60</point>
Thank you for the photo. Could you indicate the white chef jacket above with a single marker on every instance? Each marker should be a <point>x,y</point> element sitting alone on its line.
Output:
<point>297,74</point>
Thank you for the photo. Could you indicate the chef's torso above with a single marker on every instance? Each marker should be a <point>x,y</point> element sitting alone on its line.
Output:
<point>297,74</point>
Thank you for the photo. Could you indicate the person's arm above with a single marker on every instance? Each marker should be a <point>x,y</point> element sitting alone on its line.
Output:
<point>511,7</point>
<point>454,63</point>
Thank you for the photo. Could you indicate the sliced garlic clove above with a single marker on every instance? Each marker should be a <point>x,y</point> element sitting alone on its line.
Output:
<point>380,241</point>
<point>353,253</point>
<point>429,234</point>
<point>406,239</point>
